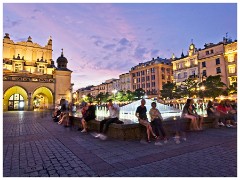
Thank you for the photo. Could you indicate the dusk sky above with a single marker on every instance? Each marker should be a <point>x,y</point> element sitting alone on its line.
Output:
<point>102,41</point>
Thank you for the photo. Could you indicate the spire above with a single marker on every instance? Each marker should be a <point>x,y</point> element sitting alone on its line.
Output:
<point>173,56</point>
<point>29,39</point>
<point>50,40</point>
<point>182,55</point>
<point>62,52</point>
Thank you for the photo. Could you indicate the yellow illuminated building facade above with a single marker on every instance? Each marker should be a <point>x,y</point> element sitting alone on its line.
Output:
<point>151,76</point>
<point>30,78</point>
<point>230,55</point>
<point>186,66</point>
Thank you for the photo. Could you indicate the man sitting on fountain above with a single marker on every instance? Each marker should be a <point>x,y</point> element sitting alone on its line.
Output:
<point>141,114</point>
<point>113,118</point>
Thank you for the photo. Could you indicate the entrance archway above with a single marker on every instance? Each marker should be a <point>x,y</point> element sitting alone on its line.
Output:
<point>16,102</point>
<point>42,98</point>
<point>15,99</point>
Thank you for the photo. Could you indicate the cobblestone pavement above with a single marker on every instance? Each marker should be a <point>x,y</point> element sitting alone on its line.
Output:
<point>34,145</point>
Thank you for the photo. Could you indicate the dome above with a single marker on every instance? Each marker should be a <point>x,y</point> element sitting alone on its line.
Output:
<point>62,59</point>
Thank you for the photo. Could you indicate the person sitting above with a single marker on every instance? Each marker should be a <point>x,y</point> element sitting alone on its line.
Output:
<point>187,113</point>
<point>56,114</point>
<point>156,121</point>
<point>113,118</point>
<point>64,119</point>
<point>141,114</point>
<point>212,112</point>
<point>229,118</point>
<point>192,110</point>
<point>231,111</point>
<point>88,116</point>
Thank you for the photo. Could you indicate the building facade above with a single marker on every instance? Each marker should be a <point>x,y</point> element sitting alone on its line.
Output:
<point>230,56</point>
<point>125,83</point>
<point>30,78</point>
<point>211,61</point>
<point>151,76</point>
<point>186,66</point>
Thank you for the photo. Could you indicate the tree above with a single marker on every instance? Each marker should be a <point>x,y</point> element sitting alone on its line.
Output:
<point>214,87</point>
<point>168,90</point>
<point>129,96</point>
<point>139,93</point>
<point>99,98</point>
<point>189,87</point>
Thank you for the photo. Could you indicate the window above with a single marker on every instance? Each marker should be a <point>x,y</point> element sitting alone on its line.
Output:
<point>153,70</point>
<point>231,69</point>
<point>134,80</point>
<point>41,68</point>
<point>18,67</point>
<point>230,58</point>
<point>163,76</point>
<point>143,85</point>
<point>207,52</point>
<point>142,73</point>
<point>204,64</point>
<point>217,61</point>
<point>143,79</point>
<point>163,69</point>
<point>218,69</point>
<point>185,74</point>
<point>148,71</point>
<point>138,80</point>
<point>153,84</point>
<point>211,51</point>
<point>193,73</point>
<point>179,76</point>
<point>133,74</point>
<point>204,73</point>
<point>153,77</point>
<point>148,78</point>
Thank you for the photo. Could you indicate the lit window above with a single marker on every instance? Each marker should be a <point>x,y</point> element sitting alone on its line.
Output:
<point>230,58</point>
<point>231,69</point>
<point>41,69</point>
<point>18,67</point>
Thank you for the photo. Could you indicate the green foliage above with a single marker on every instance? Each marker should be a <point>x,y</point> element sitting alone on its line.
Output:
<point>139,93</point>
<point>214,87</point>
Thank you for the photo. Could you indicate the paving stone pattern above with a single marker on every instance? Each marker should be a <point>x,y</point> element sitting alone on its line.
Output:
<point>35,146</point>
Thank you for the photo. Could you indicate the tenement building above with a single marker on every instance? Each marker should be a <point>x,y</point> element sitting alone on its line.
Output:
<point>186,66</point>
<point>230,56</point>
<point>151,76</point>
<point>212,61</point>
<point>30,78</point>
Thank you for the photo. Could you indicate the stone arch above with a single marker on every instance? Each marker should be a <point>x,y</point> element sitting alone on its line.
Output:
<point>42,98</point>
<point>7,104</point>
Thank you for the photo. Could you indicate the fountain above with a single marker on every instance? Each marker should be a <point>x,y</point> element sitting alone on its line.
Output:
<point>127,112</point>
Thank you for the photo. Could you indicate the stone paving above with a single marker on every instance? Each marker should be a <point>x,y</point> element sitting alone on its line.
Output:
<point>35,146</point>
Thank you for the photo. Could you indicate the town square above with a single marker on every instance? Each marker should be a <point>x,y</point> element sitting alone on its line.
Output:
<point>119,89</point>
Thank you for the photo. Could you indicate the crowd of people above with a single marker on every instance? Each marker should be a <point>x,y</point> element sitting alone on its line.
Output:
<point>224,114</point>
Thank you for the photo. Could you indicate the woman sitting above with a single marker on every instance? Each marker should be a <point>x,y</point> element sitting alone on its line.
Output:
<point>88,116</point>
<point>187,113</point>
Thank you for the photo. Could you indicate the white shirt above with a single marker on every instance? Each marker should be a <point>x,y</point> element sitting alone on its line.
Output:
<point>114,111</point>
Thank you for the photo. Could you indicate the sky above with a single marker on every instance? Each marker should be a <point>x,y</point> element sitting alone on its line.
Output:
<point>103,40</point>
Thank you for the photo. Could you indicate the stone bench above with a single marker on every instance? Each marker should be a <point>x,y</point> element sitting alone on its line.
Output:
<point>137,131</point>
